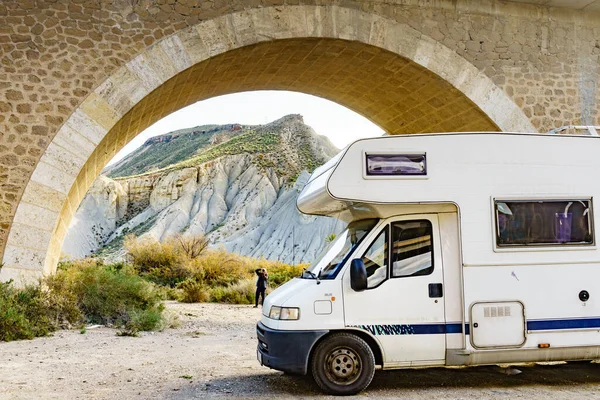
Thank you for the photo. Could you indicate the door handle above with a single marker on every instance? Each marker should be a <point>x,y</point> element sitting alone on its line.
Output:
<point>436,290</point>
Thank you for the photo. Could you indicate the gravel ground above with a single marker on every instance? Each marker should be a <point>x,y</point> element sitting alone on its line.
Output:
<point>213,354</point>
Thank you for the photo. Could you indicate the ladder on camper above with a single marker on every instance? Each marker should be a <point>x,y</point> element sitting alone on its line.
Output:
<point>591,130</point>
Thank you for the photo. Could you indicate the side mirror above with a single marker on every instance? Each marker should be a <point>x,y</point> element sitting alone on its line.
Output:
<point>358,275</point>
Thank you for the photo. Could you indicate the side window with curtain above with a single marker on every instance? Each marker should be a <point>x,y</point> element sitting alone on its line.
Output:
<point>376,259</point>
<point>412,248</point>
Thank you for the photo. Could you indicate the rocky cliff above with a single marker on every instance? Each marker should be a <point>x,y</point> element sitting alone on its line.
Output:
<point>236,184</point>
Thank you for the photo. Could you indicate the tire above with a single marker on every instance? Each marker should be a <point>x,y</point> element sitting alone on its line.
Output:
<point>343,364</point>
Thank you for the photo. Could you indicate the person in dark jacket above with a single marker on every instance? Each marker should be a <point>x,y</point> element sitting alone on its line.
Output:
<point>261,285</point>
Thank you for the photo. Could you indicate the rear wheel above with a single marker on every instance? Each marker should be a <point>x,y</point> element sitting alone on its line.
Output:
<point>343,364</point>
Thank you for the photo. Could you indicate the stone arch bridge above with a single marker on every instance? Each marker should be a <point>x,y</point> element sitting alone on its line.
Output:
<point>81,78</point>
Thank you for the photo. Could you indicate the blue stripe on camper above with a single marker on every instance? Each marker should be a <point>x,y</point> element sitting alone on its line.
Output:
<point>413,329</point>
<point>455,327</point>
<point>554,324</point>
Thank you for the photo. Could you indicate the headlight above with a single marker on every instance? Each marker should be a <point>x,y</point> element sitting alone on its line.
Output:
<point>275,312</point>
<point>286,313</point>
<point>289,313</point>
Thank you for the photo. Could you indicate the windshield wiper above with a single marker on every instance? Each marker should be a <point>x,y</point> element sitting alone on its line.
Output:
<point>312,275</point>
<point>309,273</point>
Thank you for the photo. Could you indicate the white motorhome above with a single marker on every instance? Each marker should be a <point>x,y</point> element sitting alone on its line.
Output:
<point>461,249</point>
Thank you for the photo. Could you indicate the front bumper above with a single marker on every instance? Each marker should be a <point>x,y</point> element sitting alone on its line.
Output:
<point>286,350</point>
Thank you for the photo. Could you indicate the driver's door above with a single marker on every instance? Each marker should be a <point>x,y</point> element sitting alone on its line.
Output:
<point>403,306</point>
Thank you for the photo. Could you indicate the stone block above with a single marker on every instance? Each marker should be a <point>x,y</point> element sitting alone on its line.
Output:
<point>241,25</point>
<point>29,237</point>
<point>69,139</point>
<point>20,276</point>
<point>129,85</point>
<point>160,62</point>
<point>62,159</point>
<point>86,126</point>
<point>193,44</point>
<point>173,47</point>
<point>43,196</point>
<point>36,216</point>
<point>52,177</point>
<point>24,258</point>
<point>424,51</point>
<point>114,96</point>
<point>344,21</point>
<point>100,111</point>
<point>140,68</point>
<point>216,37</point>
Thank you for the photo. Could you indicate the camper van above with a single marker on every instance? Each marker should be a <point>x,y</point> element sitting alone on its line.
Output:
<point>460,249</point>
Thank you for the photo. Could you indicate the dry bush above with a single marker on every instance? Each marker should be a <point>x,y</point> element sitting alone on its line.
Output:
<point>170,262</point>
<point>241,292</point>
<point>193,291</point>
<point>279,273</point>
<point>220,268</point>
<point>192,246</point>
<point>148,253</point>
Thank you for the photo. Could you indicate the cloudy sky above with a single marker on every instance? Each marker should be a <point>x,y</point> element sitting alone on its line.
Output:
<point>341,125</point>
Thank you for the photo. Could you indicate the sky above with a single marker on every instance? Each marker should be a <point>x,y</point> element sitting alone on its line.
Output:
<point>341,125</point>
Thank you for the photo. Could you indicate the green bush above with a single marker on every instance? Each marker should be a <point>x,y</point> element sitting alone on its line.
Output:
<point>23,313</point>
<point>109,296</point>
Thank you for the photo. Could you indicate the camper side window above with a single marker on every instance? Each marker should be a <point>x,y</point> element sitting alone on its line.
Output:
<point>543,222</point>
<point>412,248</point>
<point>376,260</point>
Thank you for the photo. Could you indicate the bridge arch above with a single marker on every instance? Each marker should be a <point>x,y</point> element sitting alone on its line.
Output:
<point>387,71</point>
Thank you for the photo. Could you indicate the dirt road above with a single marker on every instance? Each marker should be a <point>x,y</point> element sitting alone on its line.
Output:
<point>213,354</point>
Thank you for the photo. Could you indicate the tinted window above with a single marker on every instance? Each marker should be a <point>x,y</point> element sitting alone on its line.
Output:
<point>396,164</point>
<point>412,248</point>
<point>376,260</point>
<point>547,222</point>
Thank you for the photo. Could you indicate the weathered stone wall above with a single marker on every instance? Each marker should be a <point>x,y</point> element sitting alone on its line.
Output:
<point>53,54</point>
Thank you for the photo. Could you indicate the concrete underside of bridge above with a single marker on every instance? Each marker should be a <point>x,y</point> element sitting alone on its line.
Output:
<point>386,70</point>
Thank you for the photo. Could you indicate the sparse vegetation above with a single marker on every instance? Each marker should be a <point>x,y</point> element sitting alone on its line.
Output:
<point>80,293</point>
<point>330,238</point>
<point>207,275</point>
<point>129,295</point>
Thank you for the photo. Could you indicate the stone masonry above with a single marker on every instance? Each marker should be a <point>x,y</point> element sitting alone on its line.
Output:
<point>80,78</point>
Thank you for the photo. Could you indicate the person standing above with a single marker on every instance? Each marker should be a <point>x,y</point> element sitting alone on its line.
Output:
<point>261,285</point>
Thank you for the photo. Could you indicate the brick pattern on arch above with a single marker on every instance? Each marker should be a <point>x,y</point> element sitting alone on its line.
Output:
<point>403,80</point>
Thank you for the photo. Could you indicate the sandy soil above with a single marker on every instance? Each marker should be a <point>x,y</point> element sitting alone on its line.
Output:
<point>213,354</point>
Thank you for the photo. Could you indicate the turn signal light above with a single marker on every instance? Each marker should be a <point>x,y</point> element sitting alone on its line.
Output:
<point>544,345</point>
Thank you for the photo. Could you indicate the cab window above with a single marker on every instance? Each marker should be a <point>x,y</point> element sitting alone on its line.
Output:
<point>376,259</point>
<point>412,248</point>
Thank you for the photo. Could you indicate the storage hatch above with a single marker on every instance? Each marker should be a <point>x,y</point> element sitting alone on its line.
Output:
<point>497,324</point>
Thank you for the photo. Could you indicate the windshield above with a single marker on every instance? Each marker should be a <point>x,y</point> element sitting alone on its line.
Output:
<point>332,259</point>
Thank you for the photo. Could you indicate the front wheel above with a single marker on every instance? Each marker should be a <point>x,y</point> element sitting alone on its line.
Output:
<point>343,364</point>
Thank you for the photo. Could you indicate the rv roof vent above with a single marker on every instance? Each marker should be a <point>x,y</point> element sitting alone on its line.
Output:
<point>590,130</point>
